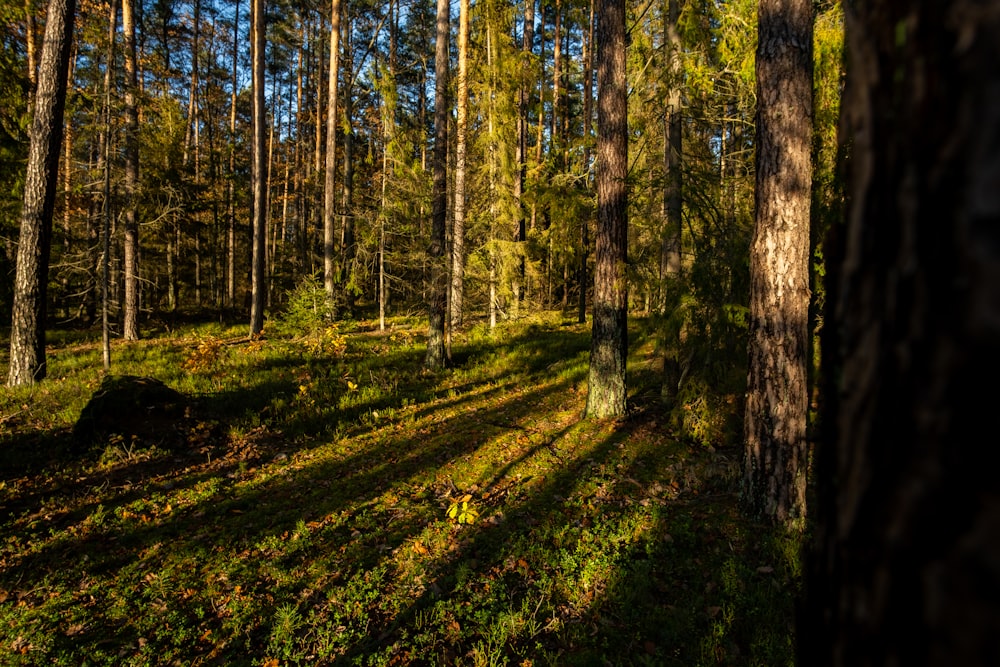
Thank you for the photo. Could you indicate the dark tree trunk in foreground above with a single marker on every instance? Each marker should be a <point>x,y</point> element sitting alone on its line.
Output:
<point>27,335</point>
<point>258,267</point>
<point>609,344</point>
<point>438,290</point>
<point>906,569</point>
<point>774,465</point>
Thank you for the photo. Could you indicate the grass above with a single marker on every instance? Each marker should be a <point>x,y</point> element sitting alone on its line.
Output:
<point>307,520</point>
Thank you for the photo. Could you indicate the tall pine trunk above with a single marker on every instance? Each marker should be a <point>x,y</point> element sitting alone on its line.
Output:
<point>329,181</point>
<point>258,268</point>
<point>774,465</point>
<point>461,129</point>
<point>438,288</point>
<point>670,250</point>
<point>130,330</point>
<point>27,334</point>
<point>609,337</point>
<point>906,565</point>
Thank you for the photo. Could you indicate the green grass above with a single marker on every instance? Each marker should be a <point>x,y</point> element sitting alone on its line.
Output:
<point>307,521</point>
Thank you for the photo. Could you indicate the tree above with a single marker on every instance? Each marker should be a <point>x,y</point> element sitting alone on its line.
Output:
<point>461,129</point>
<point>774,465</point>
<point>27,335</point>
<point>904,569</point>
<point>670,249</point>
<point>258,272</point>
<point>609,345</point>
<point>438,291</point>
<point>329,182</point>
<point>130,330</point>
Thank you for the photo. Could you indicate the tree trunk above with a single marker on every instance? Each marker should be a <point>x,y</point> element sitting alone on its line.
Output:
<point>348,240</point>
<point>329,183</point>
<point>774,465</point>
<point>588,112</point>
<point>438,292</point>
<point>258,272</point>
<point>670,251</point>
<point>130,330</point>
<point>520,182</point>
<point>461,128</point>
<point>905,566</point>
<point>609,338</point>
<point>106,216</point>
<point>27,334</point>
<point>231,189</point>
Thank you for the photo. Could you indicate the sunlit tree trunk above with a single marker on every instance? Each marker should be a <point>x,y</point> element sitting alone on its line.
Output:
<point>27,334</point>
<point>774,465</point>
<point>521,177</point>
<point>905,566</point>
<point>438,289</point>
<point>588,111</point>
<point>348,241</point>
<point>231,189</point>
<point>329,182</point>
<point>461,129</point>
<point>130,328</point>
<point>258,272</point>
<point>106,215</point>
<point>609,345</point>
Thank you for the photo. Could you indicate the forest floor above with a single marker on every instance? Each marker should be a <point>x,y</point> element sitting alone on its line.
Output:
<point>325,500</point>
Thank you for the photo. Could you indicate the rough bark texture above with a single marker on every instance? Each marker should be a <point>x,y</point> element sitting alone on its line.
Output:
<point>437,297</point>
<point>670,251</point>
<point>130,329</point>
<point>609,345</point>
<point>520,182</point>
<point>906,569</point>
<point>258,269</point>
<point>461,128</point>
<point>774,466</point>
<point>27,335</point>
<point>329,181</point>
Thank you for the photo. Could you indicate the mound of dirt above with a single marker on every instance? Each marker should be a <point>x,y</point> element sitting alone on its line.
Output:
<point>142,410</point>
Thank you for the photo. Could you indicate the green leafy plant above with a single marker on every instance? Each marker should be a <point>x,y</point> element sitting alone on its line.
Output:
<point>462,511</point>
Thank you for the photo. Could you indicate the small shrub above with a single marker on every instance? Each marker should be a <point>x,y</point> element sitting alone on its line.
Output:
<point>308,311</point>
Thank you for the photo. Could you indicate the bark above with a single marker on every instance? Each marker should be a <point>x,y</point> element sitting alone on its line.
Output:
<point>258,270</point>
<point>520,182</point>
<point>588,111</point>
<point>670,251</point>
<point>130,328</point>
<point>438,289</point>
<point>348,241</point>
<point>329,182</point>
<point>906,562</point>
<point>106,199</point>
<point>774,465</point>
<point>231,189</point>
<point>27,335</point>
<point>461,128</point>
<point>609,344</point>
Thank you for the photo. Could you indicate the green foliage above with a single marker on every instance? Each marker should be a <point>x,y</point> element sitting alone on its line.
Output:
<point>461,510</point>
<point>298,532</point>
<point>308,310</point>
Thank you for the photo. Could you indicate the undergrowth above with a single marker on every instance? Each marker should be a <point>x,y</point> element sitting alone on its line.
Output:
<point>338,504</point>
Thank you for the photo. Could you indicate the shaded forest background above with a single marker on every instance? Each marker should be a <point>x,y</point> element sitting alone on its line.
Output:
<point>529,204</point>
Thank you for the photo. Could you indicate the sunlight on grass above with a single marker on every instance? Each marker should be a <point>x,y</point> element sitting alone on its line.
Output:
<point>307,520</point>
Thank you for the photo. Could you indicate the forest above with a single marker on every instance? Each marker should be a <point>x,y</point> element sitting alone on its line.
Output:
<point>568,332</point>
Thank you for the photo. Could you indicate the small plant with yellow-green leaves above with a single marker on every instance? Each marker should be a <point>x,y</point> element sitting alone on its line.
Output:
<point>462,511</point>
